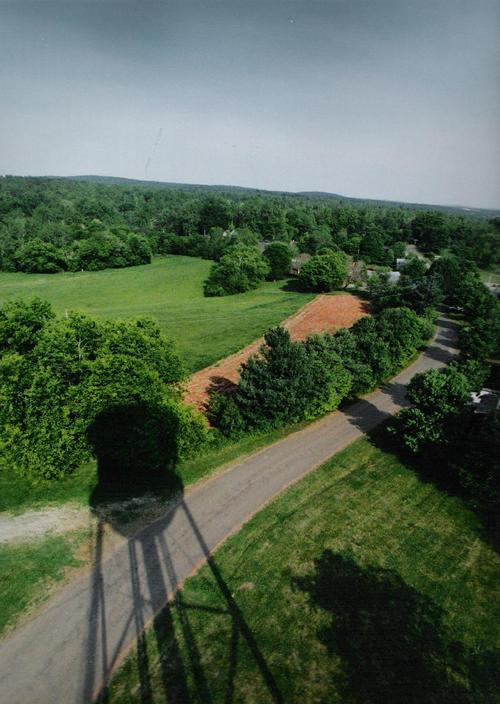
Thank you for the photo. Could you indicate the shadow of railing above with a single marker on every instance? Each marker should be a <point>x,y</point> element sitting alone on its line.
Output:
<point>169,656</point>
<point>171,624</point>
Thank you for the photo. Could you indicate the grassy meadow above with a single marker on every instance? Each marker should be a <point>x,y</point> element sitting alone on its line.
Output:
<point>361,583</point>
<point>171,291</point>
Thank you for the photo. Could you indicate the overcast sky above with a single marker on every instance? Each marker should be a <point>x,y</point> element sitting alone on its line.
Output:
<point>382,99</point>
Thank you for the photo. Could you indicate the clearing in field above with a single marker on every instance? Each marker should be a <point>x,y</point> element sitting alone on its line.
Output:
<point>323,314</point>
<point>170,290</point>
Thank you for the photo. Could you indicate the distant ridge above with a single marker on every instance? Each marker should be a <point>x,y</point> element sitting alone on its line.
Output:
<point>312,195</point>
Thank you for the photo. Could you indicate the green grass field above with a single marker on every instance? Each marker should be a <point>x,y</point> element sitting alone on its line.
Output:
<point>171,291</point>
<point>28,570</point>
<point>359,584</point>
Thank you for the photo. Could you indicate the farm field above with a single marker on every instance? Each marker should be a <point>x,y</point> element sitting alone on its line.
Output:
<point>361,583</point>
<point>171,291</point>
<point>323,314</point>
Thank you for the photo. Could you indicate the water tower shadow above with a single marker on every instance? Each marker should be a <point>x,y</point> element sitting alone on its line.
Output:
<point>139,584</point>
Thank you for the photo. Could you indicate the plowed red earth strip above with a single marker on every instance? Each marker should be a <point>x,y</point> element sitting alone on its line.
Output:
<point>323,314</point>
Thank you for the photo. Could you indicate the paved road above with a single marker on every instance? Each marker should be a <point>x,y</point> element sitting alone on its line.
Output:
<point>66,653</point>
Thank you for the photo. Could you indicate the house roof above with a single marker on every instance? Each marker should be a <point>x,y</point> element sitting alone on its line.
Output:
<point>485,401</point>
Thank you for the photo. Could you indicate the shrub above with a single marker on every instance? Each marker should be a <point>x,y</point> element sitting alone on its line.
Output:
<point>279,257</point>
<point>38,257</point>
<point>224,413</point>
<point>242,268</point>
<point>323,273</point>
<point>290,381</point>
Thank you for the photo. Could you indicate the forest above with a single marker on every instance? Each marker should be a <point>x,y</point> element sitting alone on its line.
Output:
<point>54,224</point>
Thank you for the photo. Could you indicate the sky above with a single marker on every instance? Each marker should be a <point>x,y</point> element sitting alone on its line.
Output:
<point>393,99</point>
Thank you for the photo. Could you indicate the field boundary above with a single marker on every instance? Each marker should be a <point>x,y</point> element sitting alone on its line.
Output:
<point>325,313</point>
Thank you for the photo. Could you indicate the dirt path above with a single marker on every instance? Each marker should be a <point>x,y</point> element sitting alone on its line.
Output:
<point>36,524</point>
<point>323,314</point>
<point>69,651</point>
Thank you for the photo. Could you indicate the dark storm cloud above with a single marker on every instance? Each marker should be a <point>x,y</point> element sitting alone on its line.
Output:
<point>381,99</point>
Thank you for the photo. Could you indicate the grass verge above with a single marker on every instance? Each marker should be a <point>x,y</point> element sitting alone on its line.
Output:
<point>360,583</point>
<point>27,571</point>
<point>18,494</point>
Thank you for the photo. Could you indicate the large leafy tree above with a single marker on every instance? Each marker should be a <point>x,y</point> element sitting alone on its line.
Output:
<point>242,268</point>
<point>325,272</point>
<point>279,256</point>
<point>61,377</point>
<point>451,273</point>
<point>438,400</point>
<point>430,231</point>
<point>215,211</point>
<point>479,338</point>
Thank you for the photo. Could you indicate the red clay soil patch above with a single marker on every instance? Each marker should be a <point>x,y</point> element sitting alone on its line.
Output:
<point>323,314</point>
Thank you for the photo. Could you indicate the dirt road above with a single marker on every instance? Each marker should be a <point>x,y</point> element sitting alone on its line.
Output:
<point>67,652</point>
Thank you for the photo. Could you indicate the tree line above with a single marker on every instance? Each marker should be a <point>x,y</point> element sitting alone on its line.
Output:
<point>440,429</point>
<point>50,224</point>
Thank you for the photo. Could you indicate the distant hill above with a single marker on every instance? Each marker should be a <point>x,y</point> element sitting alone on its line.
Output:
<point>312,195</point>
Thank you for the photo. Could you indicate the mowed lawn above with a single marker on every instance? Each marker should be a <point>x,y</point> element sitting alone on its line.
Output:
<point>171,291</point>
<point>361,584</point>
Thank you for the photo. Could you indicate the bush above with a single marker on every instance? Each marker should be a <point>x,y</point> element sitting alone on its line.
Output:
<point>72,386</point>
<point>37,257</point>
<point>224,414</point>
<point>323,273</point>
<point>279,257</point>
<point>242,268</point>
<point>113,249</point>
<point>289,381</point>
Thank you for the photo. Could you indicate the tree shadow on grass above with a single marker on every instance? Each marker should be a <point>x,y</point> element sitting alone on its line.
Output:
<point>434,469</point>
<point>391,640</point>
<point>293,284</point>
<point>136,450</point>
